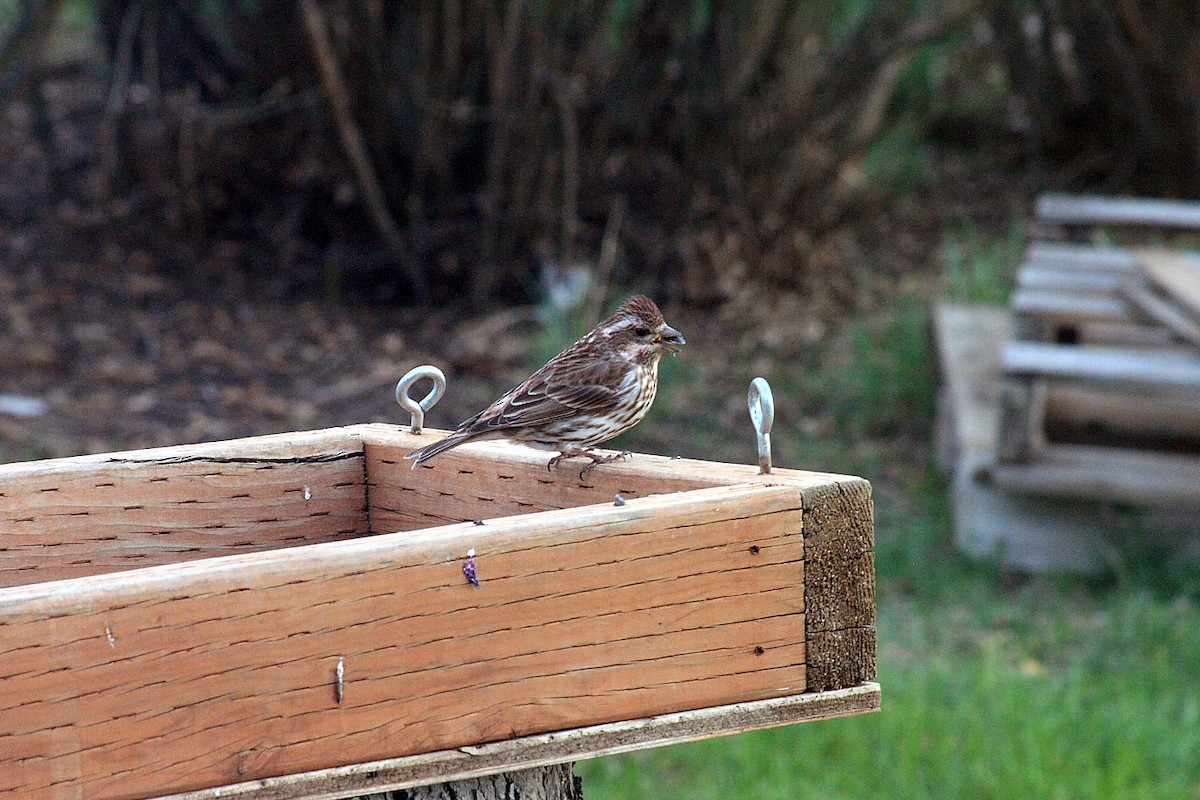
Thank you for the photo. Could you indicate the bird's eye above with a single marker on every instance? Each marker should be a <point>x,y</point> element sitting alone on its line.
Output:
<point>639,332</point>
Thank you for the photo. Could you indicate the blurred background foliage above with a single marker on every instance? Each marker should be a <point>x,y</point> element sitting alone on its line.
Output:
<point>728,149</point>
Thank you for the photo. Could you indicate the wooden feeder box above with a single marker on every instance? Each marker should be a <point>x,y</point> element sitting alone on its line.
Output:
<point>289,616</point>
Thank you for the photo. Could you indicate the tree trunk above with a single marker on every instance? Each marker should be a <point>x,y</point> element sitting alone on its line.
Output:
<point>557,782</point>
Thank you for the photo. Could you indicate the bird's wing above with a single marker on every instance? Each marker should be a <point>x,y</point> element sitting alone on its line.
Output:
<point>561,389</point>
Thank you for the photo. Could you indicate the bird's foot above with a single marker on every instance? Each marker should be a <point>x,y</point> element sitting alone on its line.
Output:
<point>597,458</point>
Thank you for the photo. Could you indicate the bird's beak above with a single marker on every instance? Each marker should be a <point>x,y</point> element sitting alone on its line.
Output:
<point>670,340</point>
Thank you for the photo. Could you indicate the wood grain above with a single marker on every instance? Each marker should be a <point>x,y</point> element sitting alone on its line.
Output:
<point>212,672</point>
<point>477,480</point>
<point>66,518</point>
<point>493,479</point>
<point>839,585</point>
<point>218,671</point>
<point>553,748</point>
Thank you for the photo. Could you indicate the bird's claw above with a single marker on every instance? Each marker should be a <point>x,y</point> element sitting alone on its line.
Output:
<point>596,458</point>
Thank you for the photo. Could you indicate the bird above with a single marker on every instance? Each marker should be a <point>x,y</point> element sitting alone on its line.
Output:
<point>597,388</point>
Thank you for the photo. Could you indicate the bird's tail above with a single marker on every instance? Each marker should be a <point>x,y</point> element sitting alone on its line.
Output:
<point>430,450</point>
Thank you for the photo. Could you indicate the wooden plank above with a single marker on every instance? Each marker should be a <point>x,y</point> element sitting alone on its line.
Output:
<point>497,479</point>
<point>1125,334</point>
<point>1081,258</point>
<point>494,479</point>
<point>489,479</point>
<point>1098,210</point>
<point>1058,306</point>
<point>220,671</point>
<point>504,478</point>
<point>70,517</point>
<point>1088,283</point>
<point>839,585</point>
<point>1105,411</point>
<point>1106,474</point>
<point>968,343</point>
<point>1175,274</point>
<point>1170,370</point>
<point>1170,316</point>
<point>553,748</point>
<point>1021,434</point>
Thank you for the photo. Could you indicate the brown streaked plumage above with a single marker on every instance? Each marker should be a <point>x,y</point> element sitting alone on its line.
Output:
<point>589,393</point>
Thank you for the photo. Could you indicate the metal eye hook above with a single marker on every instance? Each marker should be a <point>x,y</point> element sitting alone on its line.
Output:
<point>412,406</point>
<point>762,413</point>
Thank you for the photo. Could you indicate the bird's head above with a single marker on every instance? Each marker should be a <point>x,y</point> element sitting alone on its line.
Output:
<point>639,332</point>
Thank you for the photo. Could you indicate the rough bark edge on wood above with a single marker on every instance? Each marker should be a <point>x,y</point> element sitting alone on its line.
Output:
<point>555,782</point>
<point>839,585</point>
<point>552,748</point>
<point>840,658</point>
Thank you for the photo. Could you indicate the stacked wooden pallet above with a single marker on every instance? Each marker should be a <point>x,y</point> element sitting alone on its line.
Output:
<point>1100,384</point>
<point>1082,394</point>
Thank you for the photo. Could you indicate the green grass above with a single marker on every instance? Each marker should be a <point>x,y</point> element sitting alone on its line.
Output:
<point>896,163</point>
<point>883,382</point>
<point>1051,689</point>
<point>994,685</point>
<point>1104,706</point>
<point>980,269</point>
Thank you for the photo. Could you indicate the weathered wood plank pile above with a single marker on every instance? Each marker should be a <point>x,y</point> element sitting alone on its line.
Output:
<point>1086,392</point>
<point>1100,384</point>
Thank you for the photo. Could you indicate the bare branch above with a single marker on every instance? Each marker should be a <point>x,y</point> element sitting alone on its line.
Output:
<point>333,85</point>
